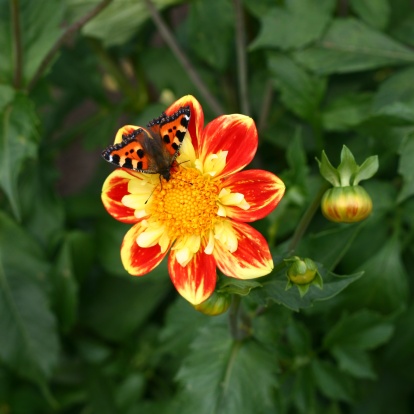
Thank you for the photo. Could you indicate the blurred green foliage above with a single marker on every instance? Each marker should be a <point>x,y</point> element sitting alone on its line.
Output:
<point>79,335</point>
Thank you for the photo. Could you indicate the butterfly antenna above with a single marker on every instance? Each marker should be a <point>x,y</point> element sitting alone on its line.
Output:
<point>152,192</point>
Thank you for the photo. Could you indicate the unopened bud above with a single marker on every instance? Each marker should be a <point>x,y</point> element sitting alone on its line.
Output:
<point>216,304</point>
<point>346,204</point>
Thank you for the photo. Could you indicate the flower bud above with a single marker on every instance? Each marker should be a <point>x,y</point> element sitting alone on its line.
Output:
<point>346,204</point>
<point>216,304</point>
<point>302,271</point>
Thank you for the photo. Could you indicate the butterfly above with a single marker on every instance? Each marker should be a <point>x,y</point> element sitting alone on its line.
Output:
<point>152,150</point>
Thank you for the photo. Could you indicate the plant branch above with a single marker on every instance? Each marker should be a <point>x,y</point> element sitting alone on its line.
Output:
<point>17,43</point>
<point>168,37</point>
<point>241,57</point>
<point>265,107</point>
<point>65,35</point>
<point>307,218</point>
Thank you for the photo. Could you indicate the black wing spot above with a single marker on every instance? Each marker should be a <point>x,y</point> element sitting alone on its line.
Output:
<point>127,163</point>
<point>131,150</point>
<point>170,130</point>
<point>139,165</point>
<point>180,135</point>
<point>175,146</point>
<point>166,139</point>
<point>116,158</point>
<point>184,121</point>
<point>140,153</point>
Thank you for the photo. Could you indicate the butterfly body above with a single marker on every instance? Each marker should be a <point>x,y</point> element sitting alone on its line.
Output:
<point>151,150</point>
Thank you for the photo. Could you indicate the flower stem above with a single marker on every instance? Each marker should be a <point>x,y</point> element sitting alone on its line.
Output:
<point>241,57</point>
<point>307,218</point>
<point>68,32</point>
<point>17,42</point>
<point>168,37</point>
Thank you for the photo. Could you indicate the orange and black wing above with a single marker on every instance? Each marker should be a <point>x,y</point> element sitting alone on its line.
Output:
<point>171,129</point>
<point>130,152</point>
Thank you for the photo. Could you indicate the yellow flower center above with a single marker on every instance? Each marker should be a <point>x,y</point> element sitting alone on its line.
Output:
<point>186,205</point>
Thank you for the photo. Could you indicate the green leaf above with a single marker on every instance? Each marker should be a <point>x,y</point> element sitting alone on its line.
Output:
<point>331,382</point>
<point>64,288</point>
<point>362,330</point>
<point>384,286</point>
<point>100,390</point>
<point>376,13</point>
<point>404,29</point>
<point>28,338</point>
<point>303,394</point>
<point>212,43</point>
<point>347,111</point>
<point>354,361</point>
<point>174,339</point>
<point>308,18</point>
<point>18,142</point>
<point>329,246</point>
<point>39,30</point>
<point>328,171</point>
<point>114,25</point>
<point>297,161</point>
<point>42,27</point>
<point>217,374</point>
<point>274,289</point>
<point>42,210</point>
<point>301,92</point>
<point>131,299</point>
<point>299,338</point>
<point>7,94</point>
<point>396,89</point>
<point>406,167</point>
<point>230,285</point>
<point>351,46</point>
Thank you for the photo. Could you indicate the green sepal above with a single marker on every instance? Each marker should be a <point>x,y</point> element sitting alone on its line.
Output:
<point>347,168</point>
<point>366,170</point>
<point>348,173</point>
<point>328,171</point>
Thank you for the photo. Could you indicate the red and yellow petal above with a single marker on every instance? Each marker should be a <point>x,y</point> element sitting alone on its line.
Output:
<point>236,134</point>
<point>251,259</point>
<point>125,130</point>
<point>139,261</point>
<point>196,281</point>
<point>196,124</point>
<point>114,189</point>
<point>261,189</point>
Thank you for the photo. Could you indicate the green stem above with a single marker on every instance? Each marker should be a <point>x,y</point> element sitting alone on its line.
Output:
<point>265,107</point>
<point>234,317</point>
<point>307,218</point>
<point>17,43</point>
<point>169,39</point>
<point>65,35</point>
<point>241,57</point>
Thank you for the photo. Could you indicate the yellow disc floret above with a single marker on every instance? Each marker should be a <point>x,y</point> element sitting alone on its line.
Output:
<point>189,211</point>
<point>186,205</point>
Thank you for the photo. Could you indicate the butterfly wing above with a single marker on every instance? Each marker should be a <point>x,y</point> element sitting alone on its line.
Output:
<point>171,129</point>
<point>131,153</point>
<point>151,151</point>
